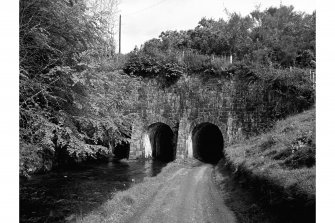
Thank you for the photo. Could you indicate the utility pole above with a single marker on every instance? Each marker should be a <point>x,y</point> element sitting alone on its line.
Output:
<point>120,34</point>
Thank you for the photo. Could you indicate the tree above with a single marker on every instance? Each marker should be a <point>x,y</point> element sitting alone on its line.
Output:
<point>54,37</point>
<point>174,40</point>
<point>104,13</point>
<point>283,33</point>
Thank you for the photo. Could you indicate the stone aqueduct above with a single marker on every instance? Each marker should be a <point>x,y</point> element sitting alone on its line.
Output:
<point>199,117</point>
<point>190,123</point>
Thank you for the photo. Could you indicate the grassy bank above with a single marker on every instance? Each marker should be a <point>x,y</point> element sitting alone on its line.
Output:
<point>279,168</point>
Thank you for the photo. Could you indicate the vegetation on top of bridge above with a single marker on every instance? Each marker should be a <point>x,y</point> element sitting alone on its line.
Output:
<point>276,37</point>
<point>74,100</point>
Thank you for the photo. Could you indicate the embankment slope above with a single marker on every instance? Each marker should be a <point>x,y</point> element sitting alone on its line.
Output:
<point>278,167</point>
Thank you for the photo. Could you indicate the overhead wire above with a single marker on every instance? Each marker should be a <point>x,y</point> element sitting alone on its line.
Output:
<point>137,12</point>
<point>141,10</point>
<point>149,7</point>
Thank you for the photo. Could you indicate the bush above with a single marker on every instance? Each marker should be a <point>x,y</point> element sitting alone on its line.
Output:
<point>34,159</point>
<point>166,69</point>
<point>204,65</point>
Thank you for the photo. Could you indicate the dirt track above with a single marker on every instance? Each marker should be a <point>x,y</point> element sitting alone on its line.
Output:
<point>188,196</point>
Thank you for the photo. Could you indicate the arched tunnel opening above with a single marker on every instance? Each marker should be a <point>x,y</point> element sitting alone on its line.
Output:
<point>207,143</point>
<point>122,149</point>
<point>161,141</point>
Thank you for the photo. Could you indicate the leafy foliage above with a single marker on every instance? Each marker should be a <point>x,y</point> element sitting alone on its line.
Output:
<point>69,109</point>
<point>278,37</point>
<point>165,68</point>
<point>54,32</point>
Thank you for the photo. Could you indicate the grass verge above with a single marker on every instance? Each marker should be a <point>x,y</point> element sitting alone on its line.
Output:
<point>278,168</point>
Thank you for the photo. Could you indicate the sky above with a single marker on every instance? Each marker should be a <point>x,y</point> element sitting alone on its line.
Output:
<point>146,19</point>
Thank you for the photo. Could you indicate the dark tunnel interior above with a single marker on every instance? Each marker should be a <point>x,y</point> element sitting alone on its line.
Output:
<point>121,151</point>
<point>207,143</point>
<point>161,140</point>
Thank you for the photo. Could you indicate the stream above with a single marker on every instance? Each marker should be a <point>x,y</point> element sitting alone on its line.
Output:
<point>55,196</point>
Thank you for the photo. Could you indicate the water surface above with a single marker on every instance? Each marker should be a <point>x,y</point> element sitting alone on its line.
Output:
<point>55,196</point>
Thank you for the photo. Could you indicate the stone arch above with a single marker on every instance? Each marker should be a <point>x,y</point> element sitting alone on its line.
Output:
<point>154,118</point>
<point>213,122</point>
<point>158,142</point>
<point>140,146</point>
<point>207,142</point>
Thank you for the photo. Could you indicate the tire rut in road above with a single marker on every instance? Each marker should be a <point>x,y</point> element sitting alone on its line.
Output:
<point>151,210</point>
<point>189,195</point>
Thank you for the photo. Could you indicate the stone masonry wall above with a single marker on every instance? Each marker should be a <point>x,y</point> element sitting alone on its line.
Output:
<point>183,107</point>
